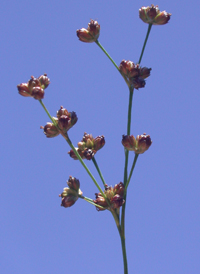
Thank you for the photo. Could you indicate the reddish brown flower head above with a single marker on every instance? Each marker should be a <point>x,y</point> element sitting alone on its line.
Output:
<point>91,34</point>
<point>34,87</point>
<point>139,145</point>
<point>88,146</point>
<point>152,15</point>
<point>50,130</point>
<point>70,195</point>
<point>66,119</point>
<point>134,74</point>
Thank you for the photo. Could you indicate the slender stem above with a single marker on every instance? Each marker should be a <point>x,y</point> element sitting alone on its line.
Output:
<point>131,172</point>
<point>145,41</point>
<point>106,53</point>
<point>99,171</point>
<point>89,201</point>
<point>124,255</point>
<point>47,112</point>
<point>131,90</point>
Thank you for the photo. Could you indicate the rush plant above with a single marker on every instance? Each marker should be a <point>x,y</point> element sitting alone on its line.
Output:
<point>108,198</point>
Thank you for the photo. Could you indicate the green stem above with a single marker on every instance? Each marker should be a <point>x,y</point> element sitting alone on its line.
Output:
<point>145,41</point>
<point>98,170</point>
<point>124,255</point>
<point>131,90</point>
<point>131,172</point>
<point>89,201</point>
<point>106,53</point>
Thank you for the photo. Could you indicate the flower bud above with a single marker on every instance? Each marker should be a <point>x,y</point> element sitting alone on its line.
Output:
<point>24,90</point>
<point>129,142</point>
<point>143,143</point>
<point>152,15</point>
<point>73,183</point>
<point>69,200</point>
<point>32,83</point>
<point>99,142</point>
<point>62,111</point>
<point>119,189</point>
<point>91,34</point>
<point>64,122</point>
<point>117,201</point>
<point>50,130</point>
<point>144,72</point>
<point>100,200</point>
<point>38,93</point>
<point>44,80</point>
<point>73,155</point>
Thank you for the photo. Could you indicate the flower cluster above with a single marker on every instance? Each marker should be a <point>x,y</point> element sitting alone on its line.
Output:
<point>88,146</point>
<point>62,123</point>
<point>152,15</point>
<point>91,34</point>
<point>134,74</point>
<point>34,87</point>
<point>113,194</point>
<point>70,194</point>
<point>139,145</point>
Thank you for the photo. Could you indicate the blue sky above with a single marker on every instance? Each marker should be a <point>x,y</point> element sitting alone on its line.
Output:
<point>162,216</point>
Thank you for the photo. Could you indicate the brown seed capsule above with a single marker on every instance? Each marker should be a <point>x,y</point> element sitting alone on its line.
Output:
<point>38,93</point>
<point>50,130</point>
<point>129,142</point>
<point>73,183</point>
<point>44,80</point>
<point>24,90</point>
<point>143,143</point>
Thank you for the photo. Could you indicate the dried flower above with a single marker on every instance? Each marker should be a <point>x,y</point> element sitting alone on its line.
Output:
<point>152,15</point>
<point>91,34</point>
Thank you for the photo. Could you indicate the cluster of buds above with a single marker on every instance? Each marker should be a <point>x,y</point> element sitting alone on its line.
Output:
<point>34,87</point>
<point>91,34</point>
<point>113,194</point>
<point>152,15</point>
<point>139,145</point>
<point>134,74</point>
<point>63,122</point>
<point>88,146</point>
<point>70,194</point>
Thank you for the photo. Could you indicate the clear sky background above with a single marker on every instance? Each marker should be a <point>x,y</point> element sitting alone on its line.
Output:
<point>162,216</point>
